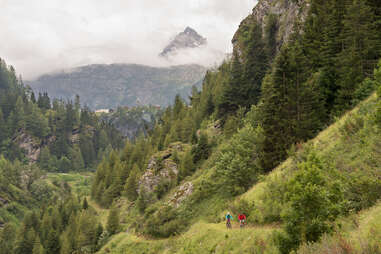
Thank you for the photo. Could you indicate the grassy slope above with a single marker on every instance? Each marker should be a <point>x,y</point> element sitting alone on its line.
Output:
<point>352,144</point>
<point>354,148</point>
<point>359,234</point>
<point>80,183</point>
<point>201,238</point>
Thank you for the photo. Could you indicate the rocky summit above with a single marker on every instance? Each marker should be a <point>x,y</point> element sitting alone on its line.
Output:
<point>187,39</point>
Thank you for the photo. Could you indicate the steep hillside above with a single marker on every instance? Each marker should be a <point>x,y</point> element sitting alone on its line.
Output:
<point>287,131</point>
<point>255,111</point>
<point>350,152</point>
<point>110,86</point>
<point>277,20</point>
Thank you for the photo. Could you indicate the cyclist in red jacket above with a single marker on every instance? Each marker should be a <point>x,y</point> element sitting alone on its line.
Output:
<point>242,220</point>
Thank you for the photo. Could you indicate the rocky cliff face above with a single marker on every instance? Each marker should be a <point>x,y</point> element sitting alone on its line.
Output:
<point>283,14</point>
<point>184,40</point>
<point>161,168</point>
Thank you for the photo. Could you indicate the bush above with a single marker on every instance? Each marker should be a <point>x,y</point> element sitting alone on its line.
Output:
<point>313,204</point>
<point>363,191</point>
<point>243,206</point>
<point>165,222</point>
<point>238,164</point>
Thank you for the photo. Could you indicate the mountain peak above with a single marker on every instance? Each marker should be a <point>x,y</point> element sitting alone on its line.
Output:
<point>189,38</point>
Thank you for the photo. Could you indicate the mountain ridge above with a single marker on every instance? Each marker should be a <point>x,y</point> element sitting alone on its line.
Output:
<point>103,86</point>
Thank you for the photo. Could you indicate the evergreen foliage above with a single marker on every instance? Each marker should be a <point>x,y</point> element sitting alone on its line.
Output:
<point>113,221</point>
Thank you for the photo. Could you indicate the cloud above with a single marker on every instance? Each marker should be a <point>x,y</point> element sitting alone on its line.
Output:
<point>45,35</point>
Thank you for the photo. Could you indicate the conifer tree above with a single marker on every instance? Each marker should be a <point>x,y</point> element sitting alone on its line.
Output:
<point>131,185</point>
<point>186,166</point>
<point>231,97</point>
<point>113,221</point>
<point>361,51</point>
<point>85,205</point>
<point>7,238</point>
<point>37,246</point>
<point>202,150</point>
<point>254,69</point>
<point>290,106</point>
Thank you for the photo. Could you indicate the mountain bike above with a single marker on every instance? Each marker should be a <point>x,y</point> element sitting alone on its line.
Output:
<point>228,224</point>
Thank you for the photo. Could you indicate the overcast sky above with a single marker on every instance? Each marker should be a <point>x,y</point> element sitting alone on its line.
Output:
<point>39,36</point>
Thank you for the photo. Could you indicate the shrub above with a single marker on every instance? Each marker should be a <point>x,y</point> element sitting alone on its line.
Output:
<point>313,204</point>
<point>165,222</point>
<point>238,164</point>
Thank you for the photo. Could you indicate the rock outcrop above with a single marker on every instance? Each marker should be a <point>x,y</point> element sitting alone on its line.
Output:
<point>286,13</point>
<point>184,191</point>
<point>31,147</point>
<point>184,40</point>
<point>161,168</point>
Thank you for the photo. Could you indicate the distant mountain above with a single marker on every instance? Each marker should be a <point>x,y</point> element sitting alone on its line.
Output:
<point>184,40</point>
<point>109,86</point>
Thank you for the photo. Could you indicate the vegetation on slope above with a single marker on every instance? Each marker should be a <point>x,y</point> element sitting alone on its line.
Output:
<point>250,116</point>
<point>39,213</point>
<point>313,196</point>
<point>242,134</point>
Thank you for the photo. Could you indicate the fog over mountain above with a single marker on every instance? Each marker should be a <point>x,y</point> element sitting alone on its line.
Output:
<point>50,35</point>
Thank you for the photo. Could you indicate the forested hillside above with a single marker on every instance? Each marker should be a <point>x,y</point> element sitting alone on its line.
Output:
<point>287,131</point>
<point>252,113</point>
<point>37,136</point>
<point>58,135</point>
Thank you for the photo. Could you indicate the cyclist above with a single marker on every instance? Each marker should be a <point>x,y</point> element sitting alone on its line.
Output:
<point>229,218</point>
<point>242,220</point>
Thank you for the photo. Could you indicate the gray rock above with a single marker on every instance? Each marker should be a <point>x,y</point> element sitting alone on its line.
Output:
<point>184,40</point>
<point>287,13</point>
<point>184,191</point>
<point>32,148</point>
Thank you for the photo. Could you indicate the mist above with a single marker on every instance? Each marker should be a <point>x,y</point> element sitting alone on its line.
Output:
<point>42,36</point>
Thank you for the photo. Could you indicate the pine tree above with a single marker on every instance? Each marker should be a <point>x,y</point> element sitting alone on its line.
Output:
<point>7,238</point>
<point>44,159</point>
<point>113,221</point>
<point>37,246</point>
<point>86,234</point>
<point>187,166</point>
<point>2,127</point>
<point>17,117</point>
<point>290,106</point>
<point>76,158</point>
<point>131,185</point>
<point>202,150</point>
<point>64,164</point>
<point>255,68</point>
<point>360,54</point>
<point>85,205</point>
<point>232,95</point>
<point>32,98</point>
